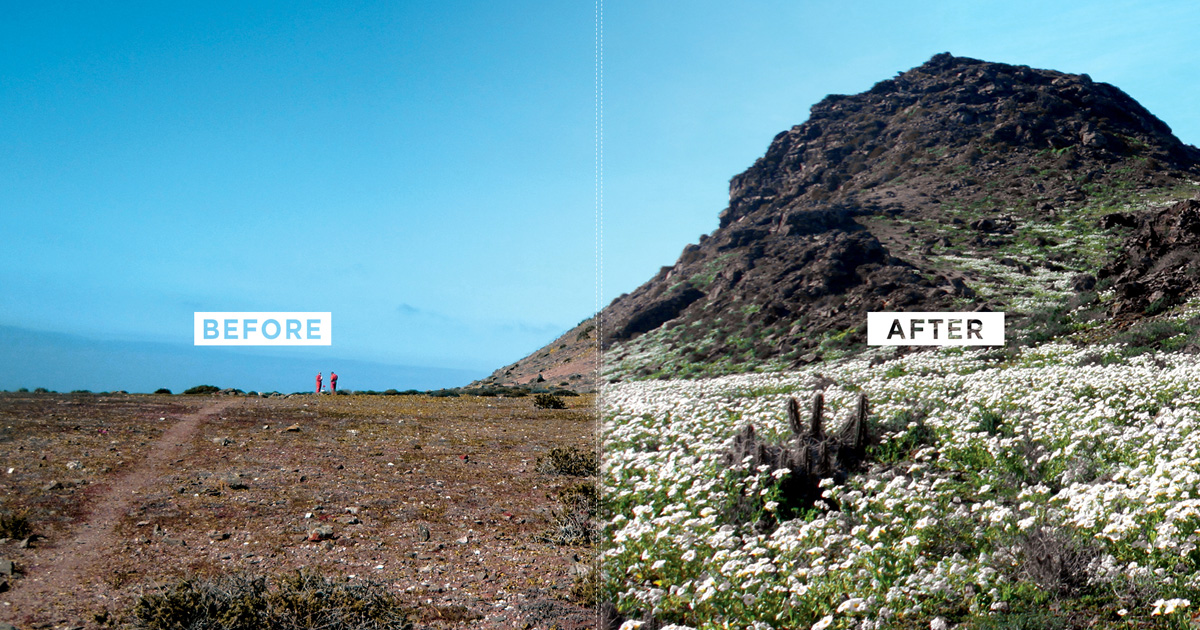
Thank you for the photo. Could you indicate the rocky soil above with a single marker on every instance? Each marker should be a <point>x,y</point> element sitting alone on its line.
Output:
<point>440,498</point>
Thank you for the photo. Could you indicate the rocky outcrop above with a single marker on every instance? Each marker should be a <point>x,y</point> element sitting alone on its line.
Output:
<point>879,200</point>
<point>1160,262</point>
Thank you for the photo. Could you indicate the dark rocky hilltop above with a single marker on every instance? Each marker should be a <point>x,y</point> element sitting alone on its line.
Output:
<point>957,185</point>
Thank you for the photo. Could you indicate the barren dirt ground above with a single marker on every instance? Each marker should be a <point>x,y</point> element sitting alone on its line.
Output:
<point>438,497</point>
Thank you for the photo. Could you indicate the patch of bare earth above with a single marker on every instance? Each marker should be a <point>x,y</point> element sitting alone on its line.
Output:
<point>439,498</point>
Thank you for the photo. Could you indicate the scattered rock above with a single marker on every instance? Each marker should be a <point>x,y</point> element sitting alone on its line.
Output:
<point>1083,282</point>
<point>295,428</point>
<point>222,441</point>
<point>348,520</point>
<point>74,465</point>
<point>235,482</point>
<point>423,533</point>
<point>7,567</point>
<point>53,485</point>
<point>321,532</point>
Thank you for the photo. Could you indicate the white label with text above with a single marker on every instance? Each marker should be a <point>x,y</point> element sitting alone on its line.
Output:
<point>935,329</point>
<point>263,329</point>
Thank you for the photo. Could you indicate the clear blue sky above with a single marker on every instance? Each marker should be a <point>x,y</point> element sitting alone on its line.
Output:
<point>426,171</point>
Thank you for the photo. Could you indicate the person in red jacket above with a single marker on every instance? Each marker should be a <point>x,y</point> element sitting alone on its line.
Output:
<point>318,382</point>
<point>332,382</point>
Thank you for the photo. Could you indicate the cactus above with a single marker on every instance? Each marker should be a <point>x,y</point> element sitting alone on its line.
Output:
<point>810,456</point>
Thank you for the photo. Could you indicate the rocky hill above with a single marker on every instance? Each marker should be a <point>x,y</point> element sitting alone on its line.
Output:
<point>957,185</point>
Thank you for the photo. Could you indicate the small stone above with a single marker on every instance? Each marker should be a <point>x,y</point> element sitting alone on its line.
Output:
<point>74,465</point>
<point>6,567</point>
<point>464,540</point>
<point>222,441</point>
<point>348,520</point>
<point>423,533</point>
<point>580,569</point>
<point>295,428</point>
<point>53,485</point>
<point>323,532</point>
<point>174,542</point>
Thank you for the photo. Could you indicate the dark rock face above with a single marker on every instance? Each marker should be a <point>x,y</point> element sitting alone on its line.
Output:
<point>1160,265</point>
<point>842,214</point>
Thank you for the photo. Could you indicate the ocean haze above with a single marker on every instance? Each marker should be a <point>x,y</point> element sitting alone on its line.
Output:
<point>62,362</point>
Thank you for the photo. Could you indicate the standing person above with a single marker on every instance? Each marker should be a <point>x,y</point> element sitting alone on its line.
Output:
<point>332,382</point>
<point>318,382</point>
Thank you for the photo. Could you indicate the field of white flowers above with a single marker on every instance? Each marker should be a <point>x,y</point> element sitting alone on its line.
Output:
<point>1062,484</point>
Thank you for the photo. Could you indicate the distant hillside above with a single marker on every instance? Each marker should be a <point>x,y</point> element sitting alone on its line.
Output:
<point>957,185</point>
<point>567,362</point>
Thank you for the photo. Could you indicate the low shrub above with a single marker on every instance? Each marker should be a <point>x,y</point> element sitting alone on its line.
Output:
<point>569,461</point>
<point>202,389</point>
<point>163,390</point>
<point>302,600</point>
<point>573,521</point>
<point>548,401</point>
<point>15,525</point>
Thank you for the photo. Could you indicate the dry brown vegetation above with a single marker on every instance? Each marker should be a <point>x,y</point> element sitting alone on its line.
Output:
<point>439,498</point>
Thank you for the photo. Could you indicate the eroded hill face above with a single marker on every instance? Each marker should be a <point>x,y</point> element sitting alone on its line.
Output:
<point>958,185</point>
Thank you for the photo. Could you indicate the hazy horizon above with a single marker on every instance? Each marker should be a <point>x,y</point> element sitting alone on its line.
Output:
<point>440,177</point>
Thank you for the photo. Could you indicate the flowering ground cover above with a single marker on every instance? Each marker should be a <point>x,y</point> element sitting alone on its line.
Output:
<point>1058,486</point>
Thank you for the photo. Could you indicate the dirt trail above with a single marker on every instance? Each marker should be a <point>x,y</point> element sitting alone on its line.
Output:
<point>69,564</point>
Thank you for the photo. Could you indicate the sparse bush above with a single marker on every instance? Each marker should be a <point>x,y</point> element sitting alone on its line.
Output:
<point>444,393</point>
<point>564,392</point>
<point>23,390</point>
<point>1056,561</point>
<point>163,390</point>
<point>572,522</point>
<point>587,588</point>
<point>569,461</point>
<point>298,601</point>
<point>202,389</point>
<point>15,525</point>
<point>548,401</point>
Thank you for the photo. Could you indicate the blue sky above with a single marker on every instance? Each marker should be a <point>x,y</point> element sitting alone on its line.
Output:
<point>426,171</point>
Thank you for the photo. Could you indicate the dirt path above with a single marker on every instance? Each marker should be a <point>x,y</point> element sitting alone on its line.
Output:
<point>70,564</point>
